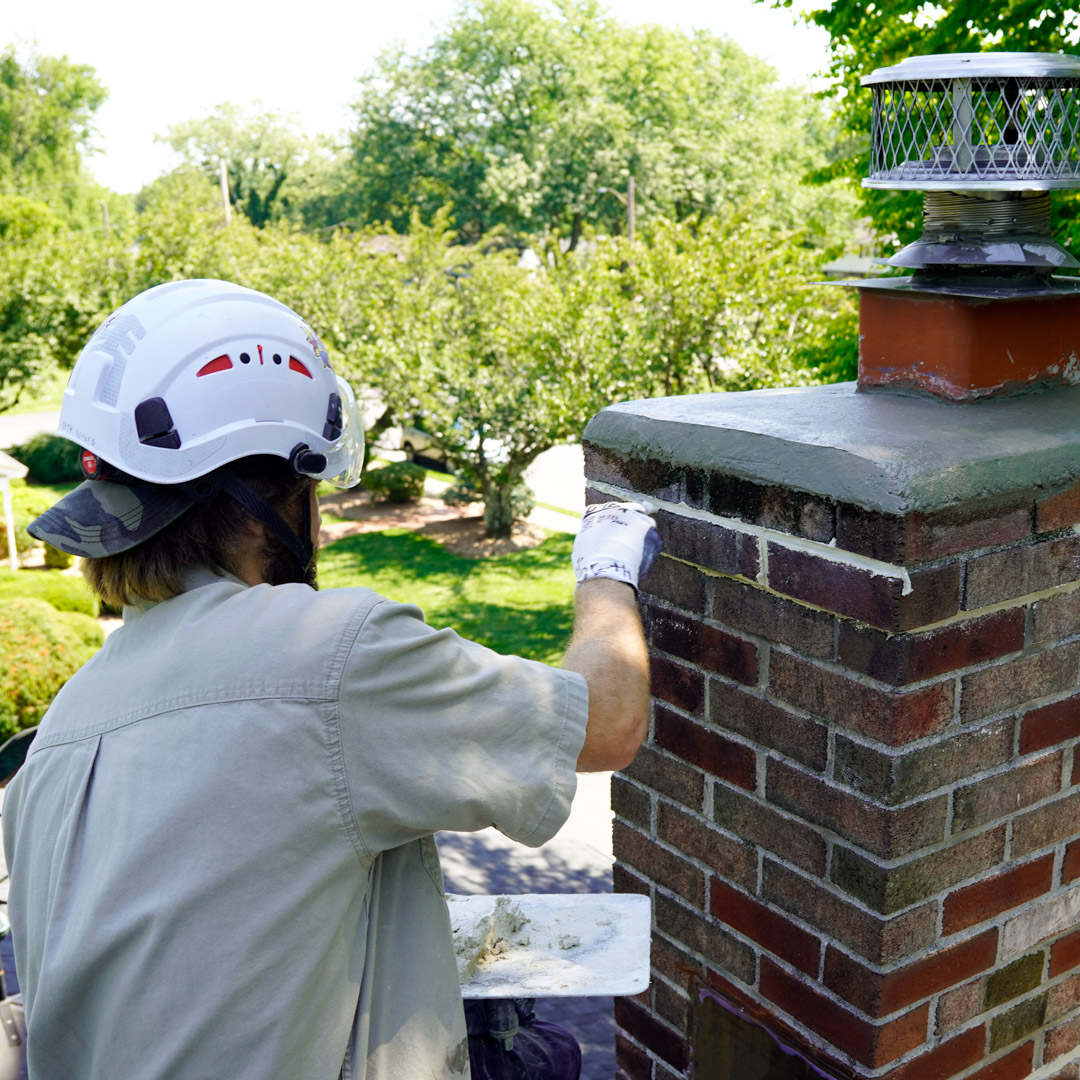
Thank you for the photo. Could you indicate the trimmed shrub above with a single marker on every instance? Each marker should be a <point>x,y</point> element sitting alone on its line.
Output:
<point>50,459</point>
<point>65,592</point>
<point>90,632</point>
<point>463,492</point>
<point>42,649</point>
<point>401,482</point>
<point>55,559</point>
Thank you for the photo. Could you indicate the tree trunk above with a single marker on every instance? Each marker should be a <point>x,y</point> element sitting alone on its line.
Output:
<point>498,511</point>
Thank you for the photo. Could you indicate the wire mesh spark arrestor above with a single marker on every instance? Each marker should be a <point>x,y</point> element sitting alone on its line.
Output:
<point>986,310</point>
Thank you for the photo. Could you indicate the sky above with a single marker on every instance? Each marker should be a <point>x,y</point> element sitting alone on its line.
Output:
<point>166,64</point>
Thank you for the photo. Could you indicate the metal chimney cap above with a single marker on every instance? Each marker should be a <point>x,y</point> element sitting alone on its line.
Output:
<point>977,66</point>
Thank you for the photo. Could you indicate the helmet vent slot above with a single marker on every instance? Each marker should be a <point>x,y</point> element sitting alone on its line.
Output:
<point>295,365</point>
<point>219,363</point>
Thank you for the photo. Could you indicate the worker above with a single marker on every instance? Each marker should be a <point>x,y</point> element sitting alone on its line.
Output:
<point>221,843</point>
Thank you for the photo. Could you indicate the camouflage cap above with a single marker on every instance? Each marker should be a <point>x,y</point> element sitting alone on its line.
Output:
<point>102,517</point>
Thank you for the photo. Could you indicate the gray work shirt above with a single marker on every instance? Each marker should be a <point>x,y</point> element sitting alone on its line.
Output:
<point>220,844</point>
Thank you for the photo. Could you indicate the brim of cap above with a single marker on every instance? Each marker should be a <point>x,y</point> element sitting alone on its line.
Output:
<point>101,517</point>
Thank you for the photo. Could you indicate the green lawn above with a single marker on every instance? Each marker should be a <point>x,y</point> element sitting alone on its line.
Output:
<point>47,399</point>
<point>519,603</point>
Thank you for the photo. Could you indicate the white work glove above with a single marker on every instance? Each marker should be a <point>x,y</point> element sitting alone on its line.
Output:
<point>616,540</point>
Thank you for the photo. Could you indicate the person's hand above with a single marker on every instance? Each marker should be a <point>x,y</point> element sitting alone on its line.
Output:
<point>616,540</point>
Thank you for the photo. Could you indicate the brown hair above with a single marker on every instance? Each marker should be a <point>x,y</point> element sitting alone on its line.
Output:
<point>206,535</point>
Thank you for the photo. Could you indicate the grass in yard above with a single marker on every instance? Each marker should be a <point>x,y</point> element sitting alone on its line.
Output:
<point>47,398</point>
<point>519,603</point>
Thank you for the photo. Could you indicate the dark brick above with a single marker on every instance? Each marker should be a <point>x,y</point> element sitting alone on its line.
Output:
<point>745,713</point>
<point>879,994</point>
<point>668,776</point>
<point>646,476</point>
<point>704,935</point>
<point>905,658</point>
<point>880,940</point>
<point>1003,795</point>
<point>1004,686</point>
<point>757,823</point>
<point>891,889</point>
<point>1018,571</point>
<point>624,881</point>
<point>701,644</point>
<point>771,930</point>
<point>991,896</point>
<point>873,1045</point>
<point>1055,617</point>
<point>706,543</point>
<point>631,803</point>
<point>731,859</point>
<point>706,748</point>
<point>893,778</point>
<point>676,583</point>
<point>652,1033</point>
<point>1021,1020</point>
<point>1065,954</point>
<point>633,1063</point>
<point>1058,510</point>
<point>858,593</point>
<point>1050,725</point>
<point>677,684</point>
<point>773,507</point>
<point>1049,824</point>
<point>659,865</point>
<point>875,828</point>
<point>1013,1066</point>
<point>751,610</point>
<point>671,1005</point>
<point>1013,980</point>
<point>892,717</point>
<point>924,537</point>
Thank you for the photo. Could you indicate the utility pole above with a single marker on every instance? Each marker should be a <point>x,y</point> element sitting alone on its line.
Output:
<point>224,178</point>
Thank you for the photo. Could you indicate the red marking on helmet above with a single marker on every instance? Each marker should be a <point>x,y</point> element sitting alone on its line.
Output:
<point>295,365</point>
<point>219,363</point>
<point>89,462</point>
<point>259,347</point>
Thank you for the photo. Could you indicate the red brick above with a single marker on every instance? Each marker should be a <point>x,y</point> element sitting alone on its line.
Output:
<point>676,583</point>
<point>888,889</point>
<point>991,896</point>
<point>869,1044</point>
<point>668,776</point>
<point>1050,725</point>
<point>704,936</point>
<point>1070,864</point>
<point>747,714</point>
<point>892,717</point>
<point>880,940</point>
<point>773,931</point>
<point>658,864</point>
<point>706,748</point>
<point>747,608</point>
<point>1049,824</point>
<point>882,830</point>
<point>1002,687</point>
<point>758,823</point>
<point>858,593</point>
<point>956,1007</point>
<point>1015,1065</point>
<point>1018,571</point>
<point>1064,998</point>
<point>878,994</point>
<point>1061,1039</point>
<point>946,1059</point>
<point>1055,617</point>
<point>899,659</point>
<point>1003,795</point>
<point>677,684</point>
<point>1058,511</point>
<point>1065,954</point>
<point>652,1033</point>
<point>705,646</point>
<point>1070,1072</point>
<point>734,860</point>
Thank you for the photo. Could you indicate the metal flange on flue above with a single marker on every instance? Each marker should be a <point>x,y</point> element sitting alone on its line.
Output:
<point>987,137</point>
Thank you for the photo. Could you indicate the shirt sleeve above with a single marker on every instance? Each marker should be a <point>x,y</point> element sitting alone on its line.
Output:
<point>438,732</point>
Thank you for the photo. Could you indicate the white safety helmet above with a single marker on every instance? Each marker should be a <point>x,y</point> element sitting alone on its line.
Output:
<point>192,375</point>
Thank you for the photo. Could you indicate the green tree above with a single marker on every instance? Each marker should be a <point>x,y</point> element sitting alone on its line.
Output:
<point>869,34</point>
<point>532,117</point>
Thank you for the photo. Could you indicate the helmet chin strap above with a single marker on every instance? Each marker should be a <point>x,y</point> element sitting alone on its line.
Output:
<point>299,546</point>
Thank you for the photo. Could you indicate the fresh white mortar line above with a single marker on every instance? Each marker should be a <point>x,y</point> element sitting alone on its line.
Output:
<point>793,543</point>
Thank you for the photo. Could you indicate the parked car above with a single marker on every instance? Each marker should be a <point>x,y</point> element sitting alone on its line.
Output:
<point>417,443</point>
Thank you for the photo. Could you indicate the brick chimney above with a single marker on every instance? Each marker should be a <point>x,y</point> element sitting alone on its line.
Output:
<point>857,812</point>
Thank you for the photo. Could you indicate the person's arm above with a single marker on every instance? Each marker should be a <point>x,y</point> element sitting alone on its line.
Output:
<point>614,548</point>
<point>608,649</point>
